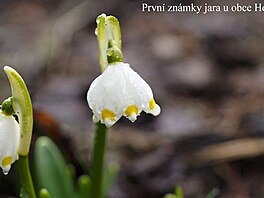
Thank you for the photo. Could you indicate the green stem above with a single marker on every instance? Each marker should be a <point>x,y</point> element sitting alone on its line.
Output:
<point>27,188</point>
<point>98,161</point>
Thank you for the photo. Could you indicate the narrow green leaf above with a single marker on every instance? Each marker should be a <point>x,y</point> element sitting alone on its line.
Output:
<point>52,172</point>
<point>84,186</point>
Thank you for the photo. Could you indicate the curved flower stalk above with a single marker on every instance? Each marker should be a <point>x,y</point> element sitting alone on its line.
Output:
<point>9,141</point>
<point>120,91</point>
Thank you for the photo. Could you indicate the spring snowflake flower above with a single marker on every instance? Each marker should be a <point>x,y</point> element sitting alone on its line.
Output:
<point>9,141</point>
<point>120,91</point>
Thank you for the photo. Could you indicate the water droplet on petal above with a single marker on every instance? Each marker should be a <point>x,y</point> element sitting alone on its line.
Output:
<point>5,172</point>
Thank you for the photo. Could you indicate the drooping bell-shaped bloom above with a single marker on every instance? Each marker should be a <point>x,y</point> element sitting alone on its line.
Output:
<point>9,141</point>
<point>120,91</point>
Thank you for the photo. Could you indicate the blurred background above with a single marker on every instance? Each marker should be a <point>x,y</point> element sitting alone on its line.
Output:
<point>206,72</point>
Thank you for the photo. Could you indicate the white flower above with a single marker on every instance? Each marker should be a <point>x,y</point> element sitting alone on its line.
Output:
<point>9,141</point>
<point>118,91</point>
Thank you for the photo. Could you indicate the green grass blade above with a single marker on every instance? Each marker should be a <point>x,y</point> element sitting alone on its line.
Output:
<point>51,169</point>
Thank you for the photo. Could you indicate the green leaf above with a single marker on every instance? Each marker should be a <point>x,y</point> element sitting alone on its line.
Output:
<point>84,186</point>
<point>52,172</point>
<point>23,107</point>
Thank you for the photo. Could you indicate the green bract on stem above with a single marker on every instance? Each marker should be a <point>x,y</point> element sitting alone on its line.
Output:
<point>21,104</point>
<point>109,40</point>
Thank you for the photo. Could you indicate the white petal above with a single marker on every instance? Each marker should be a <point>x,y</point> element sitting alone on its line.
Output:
<point>9,141</point>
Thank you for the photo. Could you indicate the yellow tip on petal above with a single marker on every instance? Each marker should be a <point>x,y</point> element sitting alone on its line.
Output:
<point>107,114</point>
<point>132,109</point>
<point>154,108</point>
<point>152,104</point>
<point>7,161</point>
